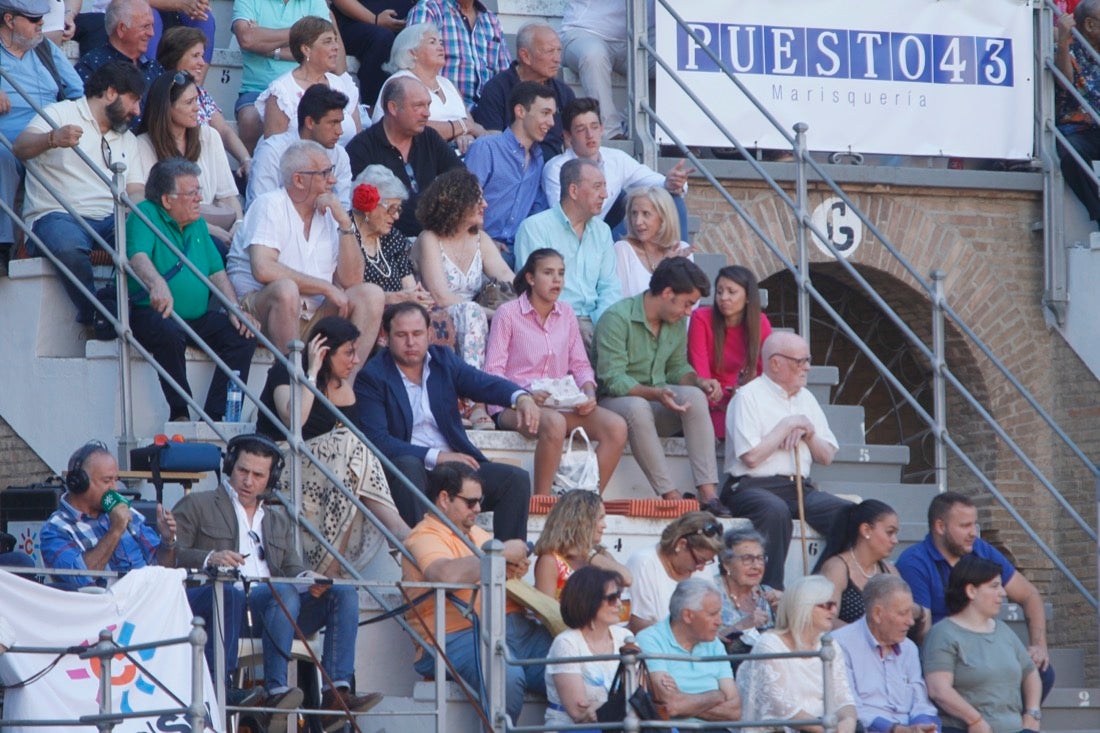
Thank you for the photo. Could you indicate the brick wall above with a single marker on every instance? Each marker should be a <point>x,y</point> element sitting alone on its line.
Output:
<point>19,465</point>
<point>984,242</point>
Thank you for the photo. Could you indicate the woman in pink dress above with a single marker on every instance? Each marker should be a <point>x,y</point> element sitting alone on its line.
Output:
<point>724,339</point>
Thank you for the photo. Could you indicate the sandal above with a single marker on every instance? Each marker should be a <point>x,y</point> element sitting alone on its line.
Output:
<point>480,420</point>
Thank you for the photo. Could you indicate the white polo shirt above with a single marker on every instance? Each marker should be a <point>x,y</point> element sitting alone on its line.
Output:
<point>63,169</point>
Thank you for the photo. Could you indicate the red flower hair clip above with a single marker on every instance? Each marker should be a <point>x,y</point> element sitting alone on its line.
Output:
<point>365,198</point>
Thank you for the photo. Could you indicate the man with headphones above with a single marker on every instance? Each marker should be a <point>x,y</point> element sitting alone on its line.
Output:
<point>231,527</point>
<point>94,528</point>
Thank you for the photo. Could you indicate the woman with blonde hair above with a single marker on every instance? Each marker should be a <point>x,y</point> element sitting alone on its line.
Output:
<point>652,234</point>
<point>791,688</point>
<point>687,547</point>
<point>570,540</point>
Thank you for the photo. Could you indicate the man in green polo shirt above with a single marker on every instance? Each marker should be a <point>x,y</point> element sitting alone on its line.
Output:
<point>644,375</point>
<point>172,200</point>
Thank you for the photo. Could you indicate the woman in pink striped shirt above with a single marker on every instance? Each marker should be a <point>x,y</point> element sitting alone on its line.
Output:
<point>536,336</point>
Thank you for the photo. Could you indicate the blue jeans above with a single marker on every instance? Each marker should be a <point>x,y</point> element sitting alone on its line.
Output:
<point>526,640</point>
<point>73,247</point>
<point>201,600</point>
<point>337,611</point>
<point>11,180</point>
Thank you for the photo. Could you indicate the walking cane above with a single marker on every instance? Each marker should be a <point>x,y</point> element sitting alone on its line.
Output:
<point>801,509</point>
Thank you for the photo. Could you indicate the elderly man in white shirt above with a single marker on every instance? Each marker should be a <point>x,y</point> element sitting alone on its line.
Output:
<point>767,420</point>
<point>296,259</point>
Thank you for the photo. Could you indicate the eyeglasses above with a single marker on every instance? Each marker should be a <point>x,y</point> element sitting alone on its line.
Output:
<point>195,194</point>
<point>612,598</point>
<point>259,545</point>
<point>827,605</point>
<point>105,151</point>
<point>30,18</point>
<point>394,210</point>
<point>799,361</point>
<point>711,529</point>
<point>325,172</point>
<point>471,501</point>
<point>699,564</point>
<point>412,178</point>
<point>751,559</point>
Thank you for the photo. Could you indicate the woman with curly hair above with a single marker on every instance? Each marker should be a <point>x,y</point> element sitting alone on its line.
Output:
<point>455,255</point>
<point>570,540</point>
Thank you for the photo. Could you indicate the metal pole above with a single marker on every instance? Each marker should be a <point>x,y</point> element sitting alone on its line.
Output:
<point>492,623</point>
<point>105,644</point>
<point>939,383</point>
<point>637,30</point>
<point>1055,275</point>
<point>126,394</point>
<point>631,724</point>
<point>295,438</point>
<point>197,711</point>
<point>219,642</point>
<point>828,657</point>
<point>801,197</point>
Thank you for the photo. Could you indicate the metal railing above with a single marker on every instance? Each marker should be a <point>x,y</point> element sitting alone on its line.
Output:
<point>942,313</point>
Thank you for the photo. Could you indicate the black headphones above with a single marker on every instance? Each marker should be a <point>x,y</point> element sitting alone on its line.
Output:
<point>259,445</point>
<point>77,480</point>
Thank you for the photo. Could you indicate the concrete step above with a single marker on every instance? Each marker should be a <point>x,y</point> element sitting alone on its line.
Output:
<point>846,422</point>
<point>910,501</point>
<point>864,464</point>
<point>1071,709</point>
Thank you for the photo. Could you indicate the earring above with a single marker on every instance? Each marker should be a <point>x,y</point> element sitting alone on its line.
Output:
<point>866,536</point>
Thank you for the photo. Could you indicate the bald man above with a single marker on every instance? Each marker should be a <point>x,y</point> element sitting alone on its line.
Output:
<point>767,420</point>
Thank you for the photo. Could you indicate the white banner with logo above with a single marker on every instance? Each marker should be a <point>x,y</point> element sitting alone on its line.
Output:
<point>146,605</point>
<point>905,77</point>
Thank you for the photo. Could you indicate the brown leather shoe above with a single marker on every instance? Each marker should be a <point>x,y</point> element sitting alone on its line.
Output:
<point>339,698</point>
<point>286,700</point>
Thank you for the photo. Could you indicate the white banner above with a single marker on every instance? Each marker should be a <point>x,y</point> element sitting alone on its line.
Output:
<point>904,77</point>
<point>146,605</point>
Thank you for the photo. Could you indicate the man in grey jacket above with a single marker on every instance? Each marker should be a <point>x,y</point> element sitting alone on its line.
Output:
<point>230,527</point>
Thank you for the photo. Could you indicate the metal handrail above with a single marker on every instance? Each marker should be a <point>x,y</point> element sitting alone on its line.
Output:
<point>931,289</point>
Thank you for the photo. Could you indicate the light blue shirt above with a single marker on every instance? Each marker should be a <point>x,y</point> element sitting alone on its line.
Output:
<point>591,283</point>
<point>691,677</point>
<point>886,681</point>
<point>510,178</point>
<point>425,430</point>
<point>30,74</point>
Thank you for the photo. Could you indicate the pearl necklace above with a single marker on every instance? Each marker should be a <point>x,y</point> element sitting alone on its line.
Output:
<point>864,573</point>
<point>378,262</point>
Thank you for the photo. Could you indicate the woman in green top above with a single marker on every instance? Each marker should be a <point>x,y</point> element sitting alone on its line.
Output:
<point>978,672</point>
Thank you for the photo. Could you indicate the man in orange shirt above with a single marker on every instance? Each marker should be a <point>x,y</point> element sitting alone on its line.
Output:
<point>444,557</point>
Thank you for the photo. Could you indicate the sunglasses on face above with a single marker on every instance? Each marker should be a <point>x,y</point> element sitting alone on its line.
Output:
<point>471,501</point>
<point>827,605</point>
<point>612,598</point>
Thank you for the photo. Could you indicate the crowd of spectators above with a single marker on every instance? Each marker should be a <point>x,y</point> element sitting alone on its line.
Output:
<point>361,233</point>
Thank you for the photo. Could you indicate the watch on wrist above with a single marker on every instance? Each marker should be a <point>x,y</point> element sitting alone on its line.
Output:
<point>1034,713</point>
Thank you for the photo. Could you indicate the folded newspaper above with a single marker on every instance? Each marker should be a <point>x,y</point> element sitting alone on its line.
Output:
<point>564,392</point>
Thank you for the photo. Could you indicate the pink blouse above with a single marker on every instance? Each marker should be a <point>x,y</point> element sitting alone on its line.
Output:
<point>701,355</point>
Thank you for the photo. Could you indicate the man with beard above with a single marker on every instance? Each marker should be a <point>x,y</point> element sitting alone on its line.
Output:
<point>98,124</point>
<point>952,535</point>
<point>25,55</point>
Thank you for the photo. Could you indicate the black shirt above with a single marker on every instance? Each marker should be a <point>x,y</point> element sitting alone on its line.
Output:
<point>429,155</point>
<point>319,421</point>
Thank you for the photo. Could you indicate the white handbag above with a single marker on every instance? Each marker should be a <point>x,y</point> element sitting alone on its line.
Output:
<point>578,469</point>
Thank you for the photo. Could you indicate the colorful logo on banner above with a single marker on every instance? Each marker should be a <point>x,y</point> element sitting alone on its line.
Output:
<point>28,541</point>
<point>126,677</point>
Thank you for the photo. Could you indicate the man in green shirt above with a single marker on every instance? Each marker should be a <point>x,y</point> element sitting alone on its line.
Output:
<point>172,199</point>
<point>644,375</point>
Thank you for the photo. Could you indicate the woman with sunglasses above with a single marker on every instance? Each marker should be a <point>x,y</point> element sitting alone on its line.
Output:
<point>687,546</point>
<point>570,540</point>
<point>724,340</point>
<point>977,670</point>
<point>183,48</point>
<point>748,606</point>
<point>590,604</point>
<point>862,537</point>
<point>791,688</point>
<point>330,364</point>
<point>315,45</point>
<point>170,129</point>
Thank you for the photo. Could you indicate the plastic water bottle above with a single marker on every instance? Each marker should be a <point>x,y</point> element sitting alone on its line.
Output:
<point>234,398</point>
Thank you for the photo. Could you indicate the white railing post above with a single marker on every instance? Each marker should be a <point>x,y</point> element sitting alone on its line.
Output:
<point>493,631</point>
<point>637,31</point>
<point>295,439</point>
<point>105,645</point>
<point>939,383</point>
<point>828,659</point>
<point>801,198</point>
<point>126,440</point>
<point>197,711</point>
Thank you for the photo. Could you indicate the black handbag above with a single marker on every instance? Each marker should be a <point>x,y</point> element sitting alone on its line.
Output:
<point>641,700</point>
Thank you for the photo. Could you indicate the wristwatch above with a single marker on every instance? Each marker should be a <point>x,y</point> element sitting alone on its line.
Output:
<point>1035,713</point>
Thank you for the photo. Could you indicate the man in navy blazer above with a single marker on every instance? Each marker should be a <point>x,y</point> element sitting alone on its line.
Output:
<point>407,398</point>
